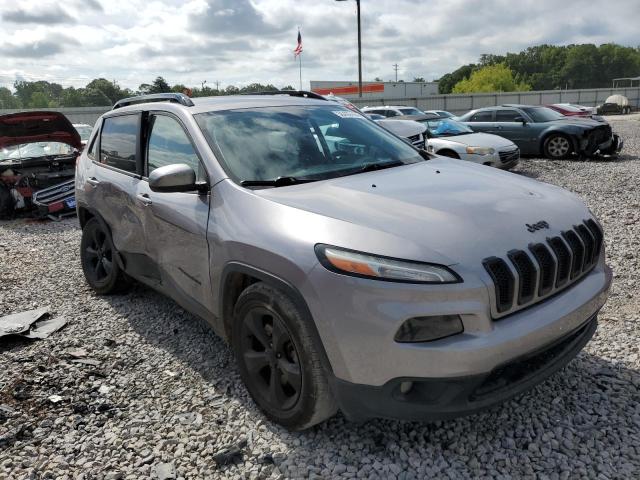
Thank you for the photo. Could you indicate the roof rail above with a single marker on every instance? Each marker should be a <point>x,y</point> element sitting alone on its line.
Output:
<point>180,98</point>
<point>291,93</point>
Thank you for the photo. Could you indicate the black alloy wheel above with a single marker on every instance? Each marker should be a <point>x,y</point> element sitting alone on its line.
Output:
<point>271,358</point>
<point>98,258</point>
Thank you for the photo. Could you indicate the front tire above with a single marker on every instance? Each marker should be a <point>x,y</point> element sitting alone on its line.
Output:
<point>278,362</point>
<point>557,147</point>
<point>98,258</point>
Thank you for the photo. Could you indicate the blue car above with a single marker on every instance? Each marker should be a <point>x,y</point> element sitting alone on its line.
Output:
<point>543,131</point>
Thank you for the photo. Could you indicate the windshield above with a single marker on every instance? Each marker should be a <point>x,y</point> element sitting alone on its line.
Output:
<point>543,114</point>
<point>410,111</point>
<point>446,127</point>
<point>38,149</point>
<point>84,131</point>
<point>302,142</point>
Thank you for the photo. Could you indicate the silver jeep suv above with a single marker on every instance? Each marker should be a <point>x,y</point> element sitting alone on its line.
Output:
<point>347,269</point>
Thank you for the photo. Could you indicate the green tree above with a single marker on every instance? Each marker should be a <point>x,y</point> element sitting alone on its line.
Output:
<point>419,79</point>
<point>447,82</point>
<point>38,100</point>
<point>492,78</point>
<point>7,99</point>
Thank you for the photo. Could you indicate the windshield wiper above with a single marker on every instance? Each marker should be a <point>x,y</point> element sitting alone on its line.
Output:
<point>371,167</point>
<point>277,182</point>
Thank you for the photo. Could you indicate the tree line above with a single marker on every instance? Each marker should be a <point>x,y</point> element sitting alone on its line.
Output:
<point>101,92</point>
<point>551,67</point>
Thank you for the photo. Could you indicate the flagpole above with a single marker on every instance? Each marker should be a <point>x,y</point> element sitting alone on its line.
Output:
<point>300,60</point>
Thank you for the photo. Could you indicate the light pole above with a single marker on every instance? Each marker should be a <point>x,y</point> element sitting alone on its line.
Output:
<point>359,49</point>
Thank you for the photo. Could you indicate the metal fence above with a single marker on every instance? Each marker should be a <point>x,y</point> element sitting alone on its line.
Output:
<point>88,115</point>
<point>461,103</point>
<point>455,103</point>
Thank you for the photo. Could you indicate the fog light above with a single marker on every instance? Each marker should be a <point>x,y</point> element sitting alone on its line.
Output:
<point>405,387</point>
<point>426,329</point>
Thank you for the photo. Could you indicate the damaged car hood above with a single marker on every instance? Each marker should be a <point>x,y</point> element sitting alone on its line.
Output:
<point>33,127</point>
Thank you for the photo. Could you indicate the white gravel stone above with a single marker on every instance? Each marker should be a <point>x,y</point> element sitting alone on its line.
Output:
<point>166,391</point>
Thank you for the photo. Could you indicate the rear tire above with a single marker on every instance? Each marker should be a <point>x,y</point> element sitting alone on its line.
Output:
<point>277,359</point>
<point>557,146</point>
<point>98,258</point>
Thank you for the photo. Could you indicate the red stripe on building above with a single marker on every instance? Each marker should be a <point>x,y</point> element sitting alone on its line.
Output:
<point>351,89</point>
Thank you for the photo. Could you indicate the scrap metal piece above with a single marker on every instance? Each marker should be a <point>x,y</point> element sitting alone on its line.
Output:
<point>20,322</point>
<point>43,328</point>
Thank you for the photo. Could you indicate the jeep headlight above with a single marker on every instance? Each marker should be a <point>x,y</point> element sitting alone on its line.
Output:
<point>359,264</point>
<point>481,150</point>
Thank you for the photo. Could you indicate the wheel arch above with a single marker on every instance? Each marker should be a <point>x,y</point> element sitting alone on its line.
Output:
<point>448,152</point>
<point>85,214</point>
<point>237,276</point>
<point>548,133</point>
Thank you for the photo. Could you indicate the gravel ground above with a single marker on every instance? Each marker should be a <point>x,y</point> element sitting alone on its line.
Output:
<point>165,399</point>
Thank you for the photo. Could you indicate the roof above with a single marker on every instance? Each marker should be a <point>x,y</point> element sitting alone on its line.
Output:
<point>382,107</point>
<point>223,102</point>
<point>417,118</point>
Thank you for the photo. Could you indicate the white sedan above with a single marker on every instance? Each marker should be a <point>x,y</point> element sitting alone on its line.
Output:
<point>451,138</point>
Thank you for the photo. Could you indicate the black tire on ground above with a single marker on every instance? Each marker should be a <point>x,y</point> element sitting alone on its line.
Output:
<point>448,153</point>
<point>557,146</point>
<point>277,359</point>
<point>97,255</point>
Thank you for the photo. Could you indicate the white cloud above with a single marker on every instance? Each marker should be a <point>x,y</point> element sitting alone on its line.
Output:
<point>245,41</point>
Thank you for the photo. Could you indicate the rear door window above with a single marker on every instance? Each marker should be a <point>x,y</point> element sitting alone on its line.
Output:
<point>482,117</point>
<point>118,142</point>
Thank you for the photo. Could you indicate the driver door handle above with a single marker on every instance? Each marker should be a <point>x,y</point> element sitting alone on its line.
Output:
<point>144,198</point>
<point>93,181</point>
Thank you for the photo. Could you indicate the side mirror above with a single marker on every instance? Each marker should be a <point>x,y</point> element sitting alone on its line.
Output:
<point>520,119</point>
<point>178,177</point>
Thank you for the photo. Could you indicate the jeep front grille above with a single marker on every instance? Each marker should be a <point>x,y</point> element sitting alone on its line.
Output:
<point>526,277</point>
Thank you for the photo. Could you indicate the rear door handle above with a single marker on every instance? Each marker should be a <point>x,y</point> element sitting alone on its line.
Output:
<point>93,181</point>
<point>144,198</point>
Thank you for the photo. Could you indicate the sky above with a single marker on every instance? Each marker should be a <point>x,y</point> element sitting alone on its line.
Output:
<point>243,41</point>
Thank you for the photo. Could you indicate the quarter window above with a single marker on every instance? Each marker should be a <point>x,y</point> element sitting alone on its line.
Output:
<point>169,144</point>
<point>118,142</point>
<point>91,153</point>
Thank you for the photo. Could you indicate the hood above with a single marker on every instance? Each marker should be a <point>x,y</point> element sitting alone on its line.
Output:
<point>31,127</point>
<point>475,140</point>
<point>584,122</point>
<point>402,128</point>
<point>441,210</point>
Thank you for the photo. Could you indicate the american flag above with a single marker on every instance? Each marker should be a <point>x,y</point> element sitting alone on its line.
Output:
<point>298,49</point>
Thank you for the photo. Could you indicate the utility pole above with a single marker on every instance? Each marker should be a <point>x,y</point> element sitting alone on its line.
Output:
<point>359,48</point>
<point>395,67</point>
<point>218,85</point>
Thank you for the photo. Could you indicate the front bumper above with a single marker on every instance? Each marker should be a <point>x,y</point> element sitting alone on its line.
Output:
<point>432,399</point>
<point>359,320</point>
<point>612,147</point>
<point>502,159</point>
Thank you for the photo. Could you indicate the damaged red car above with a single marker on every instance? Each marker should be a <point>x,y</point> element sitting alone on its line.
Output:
<point>38,152</point>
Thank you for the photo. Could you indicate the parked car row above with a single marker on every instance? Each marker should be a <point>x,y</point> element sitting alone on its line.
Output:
<point>555,131</point>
